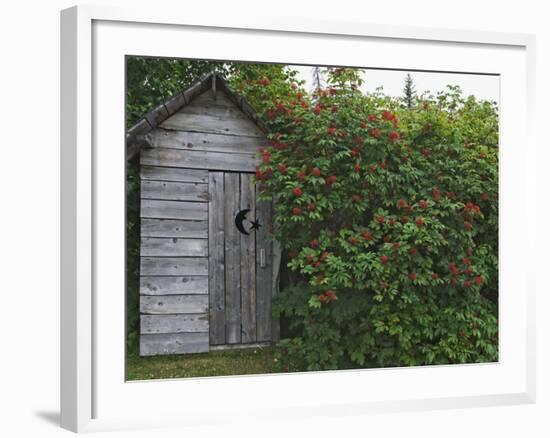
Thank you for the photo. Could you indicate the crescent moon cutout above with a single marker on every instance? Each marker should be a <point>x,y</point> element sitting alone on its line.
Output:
<point>241,216</point>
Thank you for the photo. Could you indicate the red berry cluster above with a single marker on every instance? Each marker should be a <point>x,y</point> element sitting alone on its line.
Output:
<point>394,136</point>
<point>387,115</point>
<point>366,235</point>
<point>470,208</point>
<point>328,296</point>
<point>375,132</point>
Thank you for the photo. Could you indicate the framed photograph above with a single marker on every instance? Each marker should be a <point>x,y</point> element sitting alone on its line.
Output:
<point>275,218</point>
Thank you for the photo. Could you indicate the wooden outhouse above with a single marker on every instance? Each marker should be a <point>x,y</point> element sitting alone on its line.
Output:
<point>208,268</point>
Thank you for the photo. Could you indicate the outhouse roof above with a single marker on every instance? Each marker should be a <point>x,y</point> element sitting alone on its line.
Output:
<point>137,135</point>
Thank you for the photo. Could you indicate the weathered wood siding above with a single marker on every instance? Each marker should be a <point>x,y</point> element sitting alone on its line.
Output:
<point>174,261</point>
<point>248,262</point>
<point>207,134</point>
<point>202,282</point>
<point>216,260</point>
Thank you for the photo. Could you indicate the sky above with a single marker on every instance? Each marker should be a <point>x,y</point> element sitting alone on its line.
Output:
<point>481,86</point>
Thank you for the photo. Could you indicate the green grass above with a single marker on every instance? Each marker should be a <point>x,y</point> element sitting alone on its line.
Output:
<point>216,363</point>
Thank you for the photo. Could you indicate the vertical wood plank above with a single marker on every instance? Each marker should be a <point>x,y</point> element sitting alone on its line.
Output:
<point>277,253</point>
<point>232,261</point>
<point>264,272</point>
<point>248,262</point>
<point>216,254</point>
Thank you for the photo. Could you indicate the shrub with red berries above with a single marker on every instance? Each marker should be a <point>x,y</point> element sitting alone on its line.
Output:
<point>297,192</point>
<point>405,201</point>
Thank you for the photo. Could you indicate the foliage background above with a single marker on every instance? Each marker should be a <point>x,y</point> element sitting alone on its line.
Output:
<point>360,291</point>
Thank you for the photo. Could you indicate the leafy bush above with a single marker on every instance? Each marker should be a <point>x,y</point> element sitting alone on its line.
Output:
<point>387,213</point>
<point>389,217</point>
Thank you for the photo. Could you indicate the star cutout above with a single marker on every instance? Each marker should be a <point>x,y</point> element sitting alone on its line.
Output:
<point>255,225</point>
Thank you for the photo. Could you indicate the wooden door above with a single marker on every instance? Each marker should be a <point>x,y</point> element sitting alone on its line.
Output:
<point>240,261</point>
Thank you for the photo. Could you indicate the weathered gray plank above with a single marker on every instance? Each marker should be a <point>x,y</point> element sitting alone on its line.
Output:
<point>174,191</point>
<point>242,103</point>
<point>213,85</point>
<point>140,128</point>
<point>173,247</point>
<point>232,261</point>
<point>158,209</point>
<point>182,323</point>
<point>137,142</point>
<point>212,124</point>
<point>173,173</point>
<point>216,261</point>
<point>205,99</point>
<point>233,347</point>
<point>199,141</point>
<point>263,273</point>
<point>173,285</point>
<point>174,103</point>
<point>134,136</point>
<point>248,262</point>
<point>173,343</point>
<point>167,304</point>
<point>174,266</point>
<point>231,95</point>
<point>198,88</point>
<point>275,278</point>
<point>199,159</point>
<point>174,228</point>
<point>220,108</point>
<point>157,115</point>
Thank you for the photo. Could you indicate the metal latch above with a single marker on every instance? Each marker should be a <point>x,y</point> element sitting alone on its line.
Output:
<point>262,258</point>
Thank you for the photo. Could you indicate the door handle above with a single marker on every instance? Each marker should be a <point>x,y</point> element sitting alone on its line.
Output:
<point>262,258</point>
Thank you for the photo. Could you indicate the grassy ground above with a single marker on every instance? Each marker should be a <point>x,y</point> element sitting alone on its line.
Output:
<point>216,363</point>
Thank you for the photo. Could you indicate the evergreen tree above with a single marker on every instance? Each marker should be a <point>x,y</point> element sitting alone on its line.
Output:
<point>318,80</point>
<point>409,91</point>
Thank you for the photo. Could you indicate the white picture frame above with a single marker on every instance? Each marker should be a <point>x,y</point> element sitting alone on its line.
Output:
<point>94,397</point>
